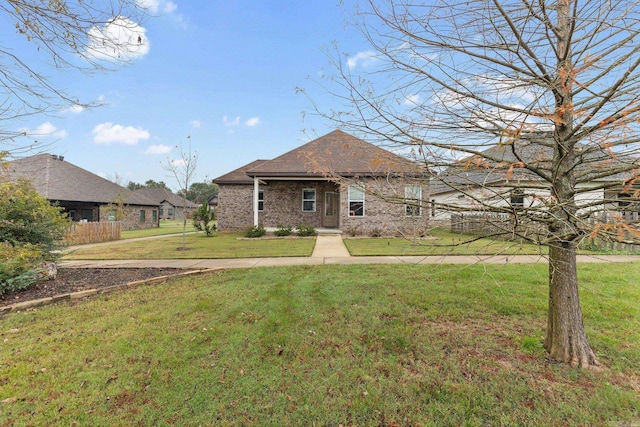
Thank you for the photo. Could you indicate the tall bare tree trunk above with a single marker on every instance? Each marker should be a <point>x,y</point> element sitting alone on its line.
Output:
<point>566,339</point>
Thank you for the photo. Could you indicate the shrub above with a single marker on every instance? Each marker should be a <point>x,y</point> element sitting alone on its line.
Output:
<point>283,230</point>
<point>305,230</point>
<point>375,232</point>
<point>255,231</point>
<point>29,218</point>
<point>204,219</point>
<point>352,231</point>
<point>31,230</point>
<point>18,266</point>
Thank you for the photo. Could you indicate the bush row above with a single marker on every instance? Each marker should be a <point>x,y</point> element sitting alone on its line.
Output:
<point>302,230</point>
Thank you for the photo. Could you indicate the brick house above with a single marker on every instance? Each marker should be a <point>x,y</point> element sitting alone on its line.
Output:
<point>171,205</point>
<point>84,195</point>
<point>336,182</point>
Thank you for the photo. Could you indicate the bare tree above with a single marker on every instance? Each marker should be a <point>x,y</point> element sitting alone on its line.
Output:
<point>525,109</point>
<point>183,169</point>
<point>69,35</point>
<point>118,179</point>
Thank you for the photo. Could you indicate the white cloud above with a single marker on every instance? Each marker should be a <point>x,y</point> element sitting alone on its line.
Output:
<point>177,163</point>
<point>412,100</point>
<point>170,7</point>
<point>46,129</point>
<point>75,109</point>
<point>149,5</point>
<point>234,122</point>
<point>196,123</point>
<point>363,59</point>
<point>158,149</point>
<point>119,39</point>
<point>252,122</point>
<point>106,133</point>
<point>153,6</point>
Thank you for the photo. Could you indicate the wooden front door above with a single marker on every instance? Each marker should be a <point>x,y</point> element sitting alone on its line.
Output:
<point>330,214</point>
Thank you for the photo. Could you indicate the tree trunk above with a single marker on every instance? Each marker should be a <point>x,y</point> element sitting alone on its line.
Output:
<point>566,339</point>
<point>184,230</point>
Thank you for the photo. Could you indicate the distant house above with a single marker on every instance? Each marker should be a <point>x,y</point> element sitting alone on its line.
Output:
<point>213,202</point>
<point>497,180</point>
<point>336,181</point>
<point>84,195</point>
<point>172,206</point>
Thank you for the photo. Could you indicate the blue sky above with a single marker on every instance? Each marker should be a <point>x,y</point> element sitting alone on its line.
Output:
<point>222,72</point>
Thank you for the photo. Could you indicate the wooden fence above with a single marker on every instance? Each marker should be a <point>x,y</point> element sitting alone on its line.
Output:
<point>486,224</point>
<point>82,233</point>
<point>500,224</point>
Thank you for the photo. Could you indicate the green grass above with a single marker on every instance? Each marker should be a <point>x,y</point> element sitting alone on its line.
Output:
<point>439,242</point>
<point>221,245</point>
<point>325,345</point>
<point>166,227</point>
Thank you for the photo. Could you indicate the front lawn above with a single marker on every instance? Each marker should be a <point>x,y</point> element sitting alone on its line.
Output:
<point>221,245</point>
<point>439,242</point>
<point>166,227</point>
<point>325,345</point>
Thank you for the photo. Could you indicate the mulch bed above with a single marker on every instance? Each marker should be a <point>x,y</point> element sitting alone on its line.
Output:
<point>81,279</point>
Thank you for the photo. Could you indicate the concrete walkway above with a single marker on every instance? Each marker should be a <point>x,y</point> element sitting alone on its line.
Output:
<point>330,246</point>
<point>329,249</point>
<point>284,261</point>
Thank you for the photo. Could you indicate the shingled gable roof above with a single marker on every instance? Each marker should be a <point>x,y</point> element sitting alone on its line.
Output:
<point>57,179</point>
<point>159,195</point>
<point>239,176</point>
<point>498,165</point>
<point>335,154</point>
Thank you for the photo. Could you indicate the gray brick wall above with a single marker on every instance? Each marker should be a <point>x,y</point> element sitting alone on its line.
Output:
<point>235,207</point>
<point>384,211</point>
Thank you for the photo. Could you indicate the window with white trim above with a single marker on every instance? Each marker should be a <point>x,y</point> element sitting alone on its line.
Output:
<point>260,200</point>
<point>517,198</point>
<point>356,200</point>
<point>309,200</point>
<point>412,200</point>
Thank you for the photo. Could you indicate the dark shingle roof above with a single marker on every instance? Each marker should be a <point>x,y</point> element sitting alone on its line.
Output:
<point>57,179</point>
<point>239,176</point>
<point>159,195</point>
<point>336,153</point>
<point>504,162</point>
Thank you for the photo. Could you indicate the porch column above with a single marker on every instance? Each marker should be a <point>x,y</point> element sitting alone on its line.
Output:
<point>256,186</point>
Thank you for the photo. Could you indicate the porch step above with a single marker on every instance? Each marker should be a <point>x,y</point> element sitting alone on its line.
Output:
<point>328,231</point>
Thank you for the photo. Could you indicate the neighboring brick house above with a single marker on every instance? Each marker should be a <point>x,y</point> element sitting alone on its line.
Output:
<point>84,195</point>
<point>336,181</point>
<point>172,206</point>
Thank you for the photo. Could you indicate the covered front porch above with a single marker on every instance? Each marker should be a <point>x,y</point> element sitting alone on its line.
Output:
<point>295,200</point>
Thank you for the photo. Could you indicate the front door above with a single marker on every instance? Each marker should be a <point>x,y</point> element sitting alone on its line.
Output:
<point>330,217</point>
